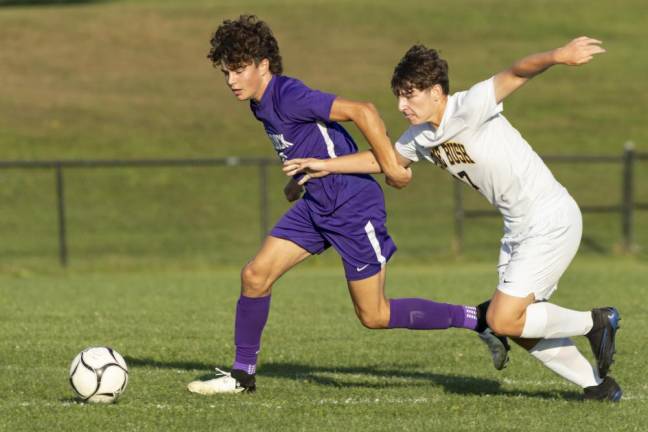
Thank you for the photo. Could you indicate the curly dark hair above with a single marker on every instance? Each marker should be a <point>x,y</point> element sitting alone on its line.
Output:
<point>247,40</point>
<point>420,68</point>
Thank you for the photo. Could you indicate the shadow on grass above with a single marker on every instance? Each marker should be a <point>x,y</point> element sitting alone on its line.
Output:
<point>71,400</point>
<point>47,2</point>
<point>372,376</point>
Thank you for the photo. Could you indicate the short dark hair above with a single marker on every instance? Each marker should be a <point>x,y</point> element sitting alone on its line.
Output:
<point>420,68</point>
<point>247,40</point>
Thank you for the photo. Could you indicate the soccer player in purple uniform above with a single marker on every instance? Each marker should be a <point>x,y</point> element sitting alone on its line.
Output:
<point>346,211</point>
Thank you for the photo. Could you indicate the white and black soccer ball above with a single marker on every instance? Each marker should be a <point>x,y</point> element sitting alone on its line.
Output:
<point>99,374</point>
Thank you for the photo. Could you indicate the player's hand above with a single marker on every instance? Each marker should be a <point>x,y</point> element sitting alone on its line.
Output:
<point>579,51</point>
<point>310,167</point>
<point>293,191</point>
<point>399,178</point>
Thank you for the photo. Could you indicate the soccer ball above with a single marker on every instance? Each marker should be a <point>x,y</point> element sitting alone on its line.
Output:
<point>98,374</point>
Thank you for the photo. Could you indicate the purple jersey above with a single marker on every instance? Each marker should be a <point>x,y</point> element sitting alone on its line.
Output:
<point>296,118</point>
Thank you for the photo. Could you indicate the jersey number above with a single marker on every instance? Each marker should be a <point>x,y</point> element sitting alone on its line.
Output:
<point>463,175</point>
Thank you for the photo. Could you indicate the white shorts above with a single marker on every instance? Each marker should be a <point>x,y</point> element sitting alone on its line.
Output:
<point>534,264</point>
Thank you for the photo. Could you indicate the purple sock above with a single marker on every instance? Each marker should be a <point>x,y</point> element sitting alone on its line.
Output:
<point>421,314</point>
<point>251,317</point>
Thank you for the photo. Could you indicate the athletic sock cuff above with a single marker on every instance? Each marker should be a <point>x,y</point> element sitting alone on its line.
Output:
<point>535,323</point>
<point>254,302</point>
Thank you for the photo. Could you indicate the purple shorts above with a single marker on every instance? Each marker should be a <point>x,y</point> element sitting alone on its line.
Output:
<point>356,230</point>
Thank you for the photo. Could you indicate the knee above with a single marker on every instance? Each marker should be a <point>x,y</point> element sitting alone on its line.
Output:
<point>503,324</point>
<point>373,320</point>
<point>497,324</point>
<point>255,281</point>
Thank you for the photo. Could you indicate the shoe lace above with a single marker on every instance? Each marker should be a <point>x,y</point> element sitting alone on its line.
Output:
<point>223,373</point>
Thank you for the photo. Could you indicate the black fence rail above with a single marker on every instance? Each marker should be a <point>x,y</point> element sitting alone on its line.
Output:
<point>625,208</point>
<point>59,168</point>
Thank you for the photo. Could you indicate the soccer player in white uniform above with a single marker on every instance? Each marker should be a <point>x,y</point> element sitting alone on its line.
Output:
<point>466,134</point>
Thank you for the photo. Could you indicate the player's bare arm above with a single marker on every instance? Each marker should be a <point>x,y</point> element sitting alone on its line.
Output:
<point>577,52</point>
<point>357,163</point>
<point>367,119</point>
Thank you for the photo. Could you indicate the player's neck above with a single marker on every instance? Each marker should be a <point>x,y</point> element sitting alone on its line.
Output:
<point>265,80</point>
<point>437,114</point>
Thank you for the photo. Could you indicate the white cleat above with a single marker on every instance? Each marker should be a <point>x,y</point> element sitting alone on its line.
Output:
<point>221,385</point>
<point>498,347</point>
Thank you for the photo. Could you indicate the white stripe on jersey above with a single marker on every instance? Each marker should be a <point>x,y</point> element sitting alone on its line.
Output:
<point>330,147</point>
<point>371,234</point>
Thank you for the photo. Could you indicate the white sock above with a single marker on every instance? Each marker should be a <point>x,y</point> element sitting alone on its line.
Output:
<point>548,321</point>
<point>562,357</point>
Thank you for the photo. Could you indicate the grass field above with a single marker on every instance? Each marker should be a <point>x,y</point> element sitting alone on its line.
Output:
<point>155,253</point>
<point>320,369</point>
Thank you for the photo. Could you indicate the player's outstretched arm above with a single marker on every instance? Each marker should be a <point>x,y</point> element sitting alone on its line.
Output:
<point>577,52</point>
<point>367,119</point>
<point>357,163</point>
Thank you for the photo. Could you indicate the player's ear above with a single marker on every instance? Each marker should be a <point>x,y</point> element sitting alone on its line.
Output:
<point>264,65</point>
<point>437,91</point>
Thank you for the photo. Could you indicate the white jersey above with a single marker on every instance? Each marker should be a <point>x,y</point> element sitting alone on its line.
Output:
<point>476,144</point>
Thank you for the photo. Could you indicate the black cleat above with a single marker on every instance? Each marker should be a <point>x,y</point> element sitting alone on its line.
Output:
<point>601,337</point>
<point>497,345</point>
<point>608,390</point>
<point>245,380</point>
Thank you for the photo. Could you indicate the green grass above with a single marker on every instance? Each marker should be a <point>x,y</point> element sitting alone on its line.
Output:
<point>320,369</point>
<point>154,253</point>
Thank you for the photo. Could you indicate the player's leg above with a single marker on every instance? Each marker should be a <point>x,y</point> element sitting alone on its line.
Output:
<point>558,353</point>
<point>531,273</point>
<point>563,358</point>
<point>359,234</point>
<point>292,240</point>
<point>524,317</point>
<point>275,257</point>
<point>375,311</point>
<point>369,301</point>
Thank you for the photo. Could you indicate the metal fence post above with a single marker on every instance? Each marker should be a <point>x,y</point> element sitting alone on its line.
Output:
<point>263,198</point>
<point>457,244</point>
<point>60,202</point>
<point>627,206</point>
